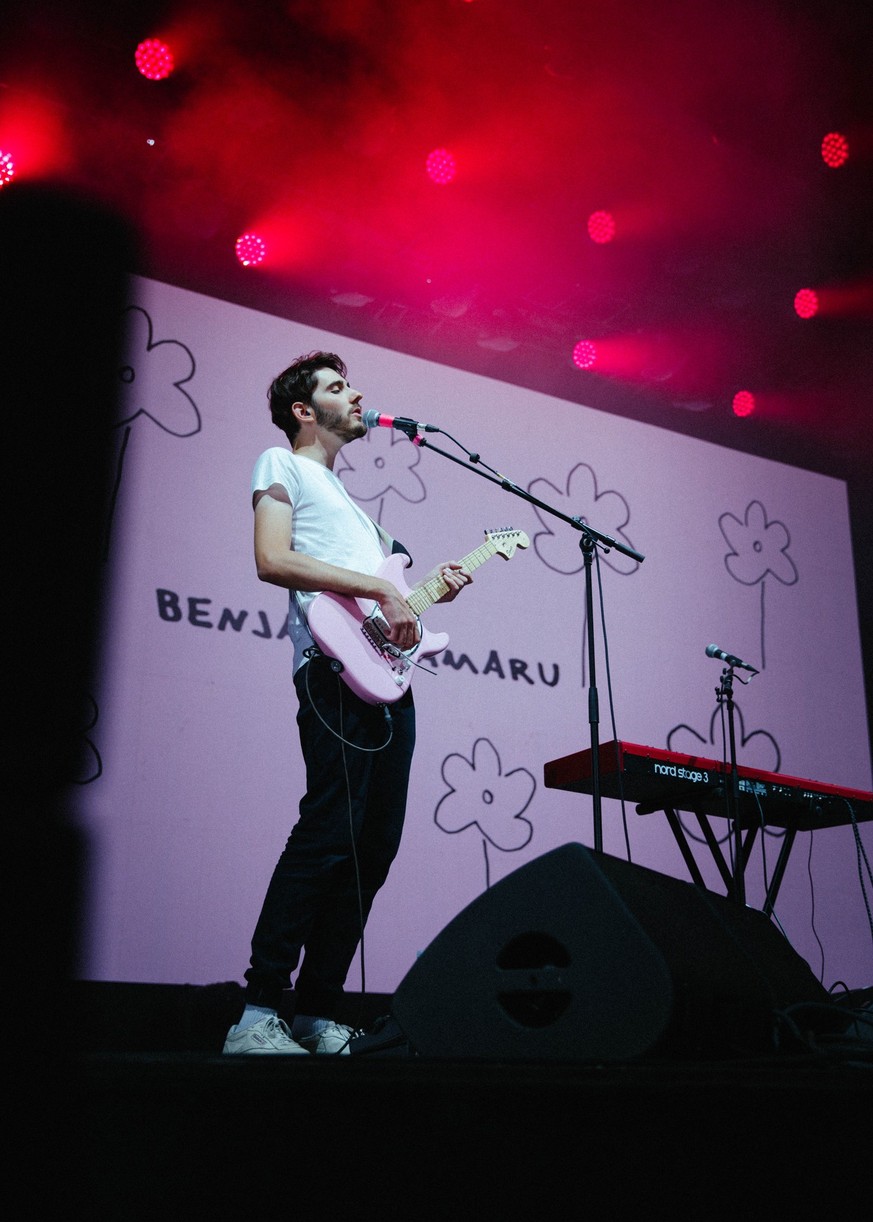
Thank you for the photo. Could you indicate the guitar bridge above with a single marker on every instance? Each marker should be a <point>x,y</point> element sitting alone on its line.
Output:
<point>396,658</point>
<point>376,637</point>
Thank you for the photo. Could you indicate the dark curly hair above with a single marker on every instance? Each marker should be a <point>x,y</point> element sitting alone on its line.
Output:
<point>295,385</point>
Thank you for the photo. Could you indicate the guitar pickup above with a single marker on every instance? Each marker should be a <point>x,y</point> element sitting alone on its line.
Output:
<point>376,636</point>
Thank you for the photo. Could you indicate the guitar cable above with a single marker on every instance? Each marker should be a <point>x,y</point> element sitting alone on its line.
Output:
<point>337,667</point>
<point>313,652</point>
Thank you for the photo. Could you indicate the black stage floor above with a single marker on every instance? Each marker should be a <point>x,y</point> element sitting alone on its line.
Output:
<point>138,1115</point>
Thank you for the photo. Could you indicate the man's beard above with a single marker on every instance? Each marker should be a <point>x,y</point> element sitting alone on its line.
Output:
<point>347,428</point>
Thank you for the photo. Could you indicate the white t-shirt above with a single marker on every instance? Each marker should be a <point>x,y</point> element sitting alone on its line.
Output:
<point>327,524</point>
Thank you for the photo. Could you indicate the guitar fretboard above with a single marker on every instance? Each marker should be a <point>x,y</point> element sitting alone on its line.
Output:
<point>429,592</point>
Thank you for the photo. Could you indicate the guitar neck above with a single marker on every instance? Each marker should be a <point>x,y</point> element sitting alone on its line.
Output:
<point>429,592</point>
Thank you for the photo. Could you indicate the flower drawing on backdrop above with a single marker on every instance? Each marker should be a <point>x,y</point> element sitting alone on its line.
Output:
<point>483,797</point>
<point>558,544</point>
<point>759,549</point>
<point>150,389</point>
<point>755,749</point>
<point>383,464</point>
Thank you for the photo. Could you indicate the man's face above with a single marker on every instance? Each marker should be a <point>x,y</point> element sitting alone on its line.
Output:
<point>337,406</point>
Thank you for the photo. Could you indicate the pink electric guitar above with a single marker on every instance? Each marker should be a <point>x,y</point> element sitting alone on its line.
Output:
<point>348,629</point>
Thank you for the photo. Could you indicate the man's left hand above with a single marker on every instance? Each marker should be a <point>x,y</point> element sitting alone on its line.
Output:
<point>455,576</point>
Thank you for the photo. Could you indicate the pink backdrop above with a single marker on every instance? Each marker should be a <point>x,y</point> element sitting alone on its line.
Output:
<point>193,775</point>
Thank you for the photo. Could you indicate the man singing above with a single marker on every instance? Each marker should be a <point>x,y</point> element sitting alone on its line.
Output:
<point>310,536</point>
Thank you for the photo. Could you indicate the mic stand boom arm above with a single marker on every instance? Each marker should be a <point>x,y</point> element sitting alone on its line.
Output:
<point>590,539</point>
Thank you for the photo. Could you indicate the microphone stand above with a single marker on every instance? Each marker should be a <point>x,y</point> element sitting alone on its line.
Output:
<point>724,694</point>
<point>590,540</point>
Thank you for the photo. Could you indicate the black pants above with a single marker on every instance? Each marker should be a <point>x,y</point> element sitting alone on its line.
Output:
<point>341,847</point>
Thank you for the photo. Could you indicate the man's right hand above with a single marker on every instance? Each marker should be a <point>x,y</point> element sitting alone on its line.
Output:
<point>399,616</point>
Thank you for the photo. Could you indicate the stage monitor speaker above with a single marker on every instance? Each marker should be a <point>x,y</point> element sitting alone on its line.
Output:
<point>580,956</point>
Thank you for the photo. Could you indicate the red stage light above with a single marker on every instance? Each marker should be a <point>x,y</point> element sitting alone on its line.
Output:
<point>250,249</point>
<point>441,166</point>
<point>7,169</point>
<point>601,227</point>
<point>834,150</point>
<point>806,303</point>
<point>584,354</point>
<point>743,403</point>
<point>154,59</point>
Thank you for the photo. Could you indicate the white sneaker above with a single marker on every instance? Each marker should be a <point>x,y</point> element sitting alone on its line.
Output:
<point>269,1035</point>
<point>333,1040</point>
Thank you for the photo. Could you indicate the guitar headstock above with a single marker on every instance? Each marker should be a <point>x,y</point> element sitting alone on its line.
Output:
<point>506,540</point>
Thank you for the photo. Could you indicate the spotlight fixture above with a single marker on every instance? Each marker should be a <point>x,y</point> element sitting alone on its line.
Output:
<point>584,354</point>
<point>834,150</point>
<point>250,249</point>
<point>601,227</point>
<point>743,403</point>
<point>441,166</point>
<point>806,303</point>
<point>154,59</point>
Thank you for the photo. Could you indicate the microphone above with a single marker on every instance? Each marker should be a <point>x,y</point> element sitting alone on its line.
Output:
<point>373,419</point>
<point>713,651</point>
